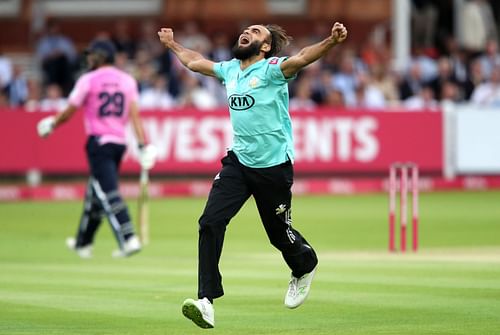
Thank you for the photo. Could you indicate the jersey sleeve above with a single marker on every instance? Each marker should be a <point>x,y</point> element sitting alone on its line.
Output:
<point>274,70</point>
<point>220,70</point>
<point>79,92</point>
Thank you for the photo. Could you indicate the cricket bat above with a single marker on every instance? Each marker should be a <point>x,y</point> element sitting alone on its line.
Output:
<point>143,210</point>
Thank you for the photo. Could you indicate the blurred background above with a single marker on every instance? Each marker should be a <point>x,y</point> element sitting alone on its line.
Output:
<point>417,80</point>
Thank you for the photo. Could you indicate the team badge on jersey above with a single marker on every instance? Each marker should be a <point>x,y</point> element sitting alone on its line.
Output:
<point>254,82</point>
<point>274,61</point>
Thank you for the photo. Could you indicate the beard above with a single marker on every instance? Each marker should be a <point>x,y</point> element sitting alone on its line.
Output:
<point>243,53</point>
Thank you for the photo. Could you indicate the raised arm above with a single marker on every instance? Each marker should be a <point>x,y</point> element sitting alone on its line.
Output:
<point>189,58</point>
<point>313,52</point>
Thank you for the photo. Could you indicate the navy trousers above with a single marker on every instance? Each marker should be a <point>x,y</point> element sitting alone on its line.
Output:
<point>102,196</point>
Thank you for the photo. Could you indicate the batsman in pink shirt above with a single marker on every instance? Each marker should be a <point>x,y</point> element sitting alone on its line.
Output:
<point>108,99</point>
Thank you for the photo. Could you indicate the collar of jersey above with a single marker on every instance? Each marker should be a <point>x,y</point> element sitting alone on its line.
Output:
<point>254,65</point>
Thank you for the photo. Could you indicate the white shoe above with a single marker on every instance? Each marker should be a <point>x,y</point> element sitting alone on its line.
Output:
<point>200,311</point>
<point>298,289</point>
<point>130,247</point>
<point>84,252</point>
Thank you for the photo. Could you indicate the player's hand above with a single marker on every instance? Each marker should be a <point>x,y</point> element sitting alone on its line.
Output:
<point>147,156</point>
<point>339,33</point>
<point>166,36</point>
<point>46,126</point>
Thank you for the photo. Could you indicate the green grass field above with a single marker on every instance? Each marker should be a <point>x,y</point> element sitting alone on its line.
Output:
<point>451,286</point>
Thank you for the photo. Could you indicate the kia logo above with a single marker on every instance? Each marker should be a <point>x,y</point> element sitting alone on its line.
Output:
<point>240,102</point>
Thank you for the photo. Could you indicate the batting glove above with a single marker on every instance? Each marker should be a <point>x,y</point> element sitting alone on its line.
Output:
<point>45,126</point>
<point>147,156</point>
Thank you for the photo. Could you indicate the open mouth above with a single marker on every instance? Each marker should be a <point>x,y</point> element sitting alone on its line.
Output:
<point>244,40</point>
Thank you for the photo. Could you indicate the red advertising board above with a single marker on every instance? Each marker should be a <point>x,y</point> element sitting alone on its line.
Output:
<point>190,141</point>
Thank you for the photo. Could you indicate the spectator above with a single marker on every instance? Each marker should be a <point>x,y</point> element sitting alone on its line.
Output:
<point>122,39</point>
<point>488,93</point>
<point>192,38</point>
<point>453,73</point>
<point>475,78</point>
<point>18,88</point>
<point>424,16</point>
<point>38,18</point>
<point>4,100</point>
<point>221,50</point>
<point>450,93</point>
<point>167,66</point>
<point>423,100</point>
<point>195,95</point>
<point>124,63</point>
<point>145,70</point>
<point>335,99</point>
<point>445,74</point>
<point>320,81</point>
<point>57,56</point>
<point>148,40</point>
<point>103,35</point>
<point>161,57</point>
<point>5,71</point>
<point>478,25</point>
<point>490,58</point>
<point>54,100</point>
<point>428,66</point>
<point>385,83</point>
<point>319,29</point>
<point>345,80</point>
<point>458,59</point>
<point>368,95</point>
<point>215,88</point>
<point>302,98</point>
<point>32,103</point>
<point>157,96</point>
<point>412,83</point>
<point>374,51</point>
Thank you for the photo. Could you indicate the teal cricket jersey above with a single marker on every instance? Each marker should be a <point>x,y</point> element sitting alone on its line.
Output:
<point>258,105</point>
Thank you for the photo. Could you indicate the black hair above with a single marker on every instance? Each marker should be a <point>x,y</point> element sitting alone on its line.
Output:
<point>279,39</point>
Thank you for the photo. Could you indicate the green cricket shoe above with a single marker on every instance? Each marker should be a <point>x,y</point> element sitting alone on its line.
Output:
<point>200,311</point>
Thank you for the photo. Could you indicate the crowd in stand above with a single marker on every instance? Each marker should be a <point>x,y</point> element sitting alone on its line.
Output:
<point>465,70</point>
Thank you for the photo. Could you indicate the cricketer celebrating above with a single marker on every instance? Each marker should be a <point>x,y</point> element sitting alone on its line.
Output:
<point>108,97</point>
<point>259,164</point>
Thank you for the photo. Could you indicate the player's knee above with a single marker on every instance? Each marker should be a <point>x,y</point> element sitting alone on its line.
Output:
<point>283,244</point>
<point>116,202</point>
<point>208,223</point>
